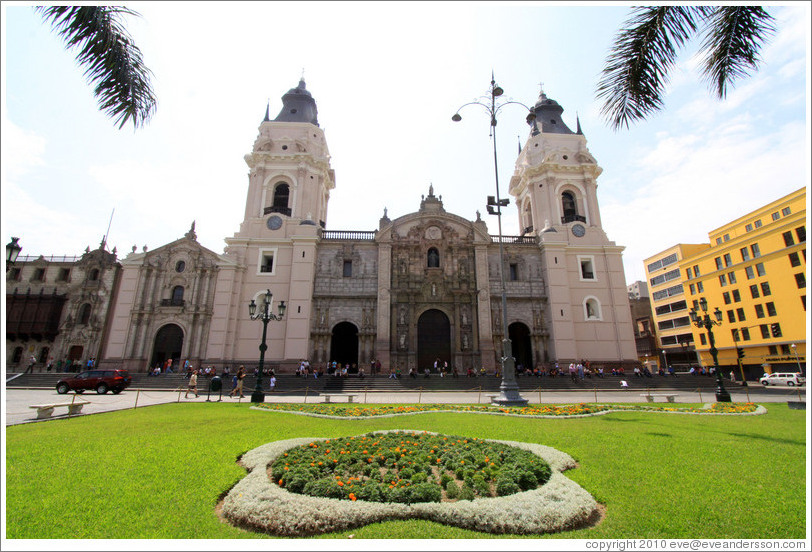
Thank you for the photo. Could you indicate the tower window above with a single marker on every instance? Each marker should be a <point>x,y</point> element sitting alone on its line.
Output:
<point>84,314</point>
<point>592,309</point>
<point>281,197</point>
<point>570,209</point>
<point>266,262</point>
<point>514,272</point>
<point>177,296</point>
<point>347,269</point>
<point>94,275</point>
<point>588,269</point>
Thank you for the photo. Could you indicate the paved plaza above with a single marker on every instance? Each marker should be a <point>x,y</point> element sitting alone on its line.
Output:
<point>17,401</point>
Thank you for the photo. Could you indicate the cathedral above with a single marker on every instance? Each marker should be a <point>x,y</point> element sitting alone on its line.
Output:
<point>420,287</point>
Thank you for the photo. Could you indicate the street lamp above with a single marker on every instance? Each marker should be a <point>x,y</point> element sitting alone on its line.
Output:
<point>665,361</point>
<point>508,390</point>
<point>704,321</point>
<point>12,251</point>
<point>795,352</point>
<point>265,315</point>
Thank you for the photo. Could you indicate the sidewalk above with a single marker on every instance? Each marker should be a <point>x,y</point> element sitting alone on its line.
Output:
<point>17,401</point>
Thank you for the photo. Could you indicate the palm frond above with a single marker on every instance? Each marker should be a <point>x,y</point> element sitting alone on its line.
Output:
<point>636,70</point>
<point>731,44</point>
<point>112,62</point>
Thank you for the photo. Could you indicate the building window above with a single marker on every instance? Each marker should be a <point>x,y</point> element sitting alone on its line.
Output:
<point>765,289</point>
<point>760,269</point>
<point>592,309</point>
<point>765,331</point>
<point>700,287</point>
<point>14,275</point>
<point>177,296</point>
<point>748,227</point>
<point>772,349</point>
<point>84,314</point>
<point>801,233</point>
<point>433,258</point>
<point>784,349</point>
<point>718,241</point>
<point>759,311</point>
<point>755,250</point>
<point>514,272</point>
<point>794,259</point>
<point>800,280</point>
<point>749,272</point>
<point>754,292</point>
<point>731,277</point>
<point>776,216</point>
<point>718,263</point>
<point>94,275</point>
<point>788,239</point>
<point>757,223</point>
<point>281,197</point>
<point>696,271</point>
<point>735,333</point>
<point>692,287</point>
<point>771,309</point>
<point>267,263</point>
<point>776,329</point>
<point>180,266</point>
<point>727,237</point>
<point>722,280</point>
<point>745,334</point>
<point>64,275</point>
<point>803,301</point>
<point>588,269</point>
<point>745,254</point>
<point>39,275</point>
<point>728,259</point>
<point>702,339</point>
<point>786,211</point>
<point>736,296</point>
<point>726,297</point>
<point>731,316</point>
<point>569,207</point>
<point>740,314</point>
<point>687,273</point>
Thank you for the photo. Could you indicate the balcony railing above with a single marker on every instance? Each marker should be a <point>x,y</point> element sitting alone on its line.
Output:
<point>172,302</point>
<point>356,235</point>
<point>521,240</point>
<point>572,218</point>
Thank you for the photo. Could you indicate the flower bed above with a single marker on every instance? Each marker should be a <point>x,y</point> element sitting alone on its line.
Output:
<point>259,503</point>
<point>574,410</point>
<point>408,468</point>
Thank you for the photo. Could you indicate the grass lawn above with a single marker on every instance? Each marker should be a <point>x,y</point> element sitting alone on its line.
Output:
<point>158,472</point>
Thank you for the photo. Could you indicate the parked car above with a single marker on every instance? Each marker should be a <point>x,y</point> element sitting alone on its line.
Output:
<point>783,378</point>
<point>100,380</point>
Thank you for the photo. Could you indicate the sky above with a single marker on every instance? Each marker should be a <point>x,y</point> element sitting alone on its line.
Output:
<point>387,77</point>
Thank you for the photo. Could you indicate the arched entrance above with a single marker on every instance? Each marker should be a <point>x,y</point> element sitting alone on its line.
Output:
<point>344,344</point>
<point>168,344</point>
<point>433,339</point>
<point>520,341</point>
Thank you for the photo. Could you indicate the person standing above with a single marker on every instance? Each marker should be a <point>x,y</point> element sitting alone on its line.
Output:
<point>240,377</point>
<point>31,362</point>
<point>192,385</point>
<point>272,384</point>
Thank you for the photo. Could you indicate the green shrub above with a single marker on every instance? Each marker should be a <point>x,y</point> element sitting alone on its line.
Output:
<point>325,487</point>
<point>406,473</point>
<point>444,479</point>
<point>467,493</point>
<point>452,490</point>
<point>425,492</point>
<point>419,477</point>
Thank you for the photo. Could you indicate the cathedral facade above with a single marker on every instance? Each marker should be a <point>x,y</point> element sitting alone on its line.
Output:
<point>424,286</point>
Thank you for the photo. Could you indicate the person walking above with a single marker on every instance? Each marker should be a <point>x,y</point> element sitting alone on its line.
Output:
<point>240,376</point>
<point>192,385</point>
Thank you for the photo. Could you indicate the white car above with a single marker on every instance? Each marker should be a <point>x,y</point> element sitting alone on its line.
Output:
<point>783,378</point>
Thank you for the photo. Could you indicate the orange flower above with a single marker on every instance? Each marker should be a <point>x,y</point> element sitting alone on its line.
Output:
<point>352,497</point>
<point>340,483</point>
<point>280,482</point>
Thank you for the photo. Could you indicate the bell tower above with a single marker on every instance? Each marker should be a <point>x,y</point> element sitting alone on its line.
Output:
<point>289,183</point>
<point>555,188</point>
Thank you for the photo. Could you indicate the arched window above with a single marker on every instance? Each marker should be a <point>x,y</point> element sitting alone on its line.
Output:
<point>84,313</point>
<point>527,218</point>
<point>433,258</point>
<point>94,275</point>
<point>17,356</point>
<point>568,207</point>
<point>592,309</point>
<point>281,196</point>
<point>177,296</point>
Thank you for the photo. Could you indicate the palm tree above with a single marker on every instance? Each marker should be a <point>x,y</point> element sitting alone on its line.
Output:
<point>636,70</point>
<point>112,62</point>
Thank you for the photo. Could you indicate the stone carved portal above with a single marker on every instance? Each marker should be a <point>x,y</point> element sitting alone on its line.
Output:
<point>433,339</point>
<point>521,344</point>
<point>344,345</point>
<point>168,344</point>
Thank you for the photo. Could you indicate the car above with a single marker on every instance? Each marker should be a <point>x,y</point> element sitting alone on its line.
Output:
<point>100,380</point>
<point>782,378</point>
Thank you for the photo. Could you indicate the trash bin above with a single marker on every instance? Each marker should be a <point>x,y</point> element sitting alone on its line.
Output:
<point>216,384</point>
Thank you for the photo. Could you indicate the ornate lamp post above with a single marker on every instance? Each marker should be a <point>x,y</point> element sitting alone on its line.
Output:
<point>508,390</point>
<point>704,321</point>
<point>12,251</point>
<point>265,315</point>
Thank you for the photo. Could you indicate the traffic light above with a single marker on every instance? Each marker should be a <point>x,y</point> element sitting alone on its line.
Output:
<point>776,329</point>
<point>740,352</point>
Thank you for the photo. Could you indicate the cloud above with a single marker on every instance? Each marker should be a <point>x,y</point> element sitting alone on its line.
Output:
<point>23,150</point>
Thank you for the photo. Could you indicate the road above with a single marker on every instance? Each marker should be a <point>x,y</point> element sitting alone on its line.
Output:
<point>17,401</point>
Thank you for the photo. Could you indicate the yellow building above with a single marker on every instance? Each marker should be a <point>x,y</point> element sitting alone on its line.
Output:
<point>670,307</point>
<point>754,272</point>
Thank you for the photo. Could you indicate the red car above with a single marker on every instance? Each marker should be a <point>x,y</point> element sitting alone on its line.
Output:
<point>100,380</point>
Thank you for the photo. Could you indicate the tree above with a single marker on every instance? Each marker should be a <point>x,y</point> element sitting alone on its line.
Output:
<point>112,62</point>
<point>636,71</point>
